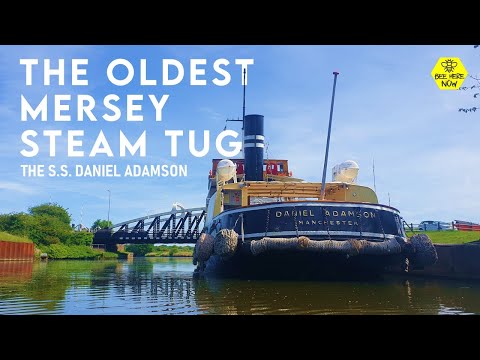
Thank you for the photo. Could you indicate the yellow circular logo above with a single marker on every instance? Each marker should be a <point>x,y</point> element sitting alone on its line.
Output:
<point>449,73</point>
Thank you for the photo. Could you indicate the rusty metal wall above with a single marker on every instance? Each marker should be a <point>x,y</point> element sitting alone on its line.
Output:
<point>16,270</point>
<point>16,251</point>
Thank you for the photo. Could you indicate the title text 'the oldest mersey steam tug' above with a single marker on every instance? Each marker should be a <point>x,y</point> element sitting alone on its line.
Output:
<point>262,221</point>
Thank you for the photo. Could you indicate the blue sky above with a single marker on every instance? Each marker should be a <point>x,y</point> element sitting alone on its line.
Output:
<point>387,107</point>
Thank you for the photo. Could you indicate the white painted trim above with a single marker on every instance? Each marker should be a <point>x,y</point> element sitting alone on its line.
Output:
<point>298,204</point>
<point>259,145</point>
<point>254,137</point>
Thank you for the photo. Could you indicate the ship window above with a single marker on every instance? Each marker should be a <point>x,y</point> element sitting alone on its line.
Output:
<point>228,207</point>
<point>280,167</point>
<point>255,200</point>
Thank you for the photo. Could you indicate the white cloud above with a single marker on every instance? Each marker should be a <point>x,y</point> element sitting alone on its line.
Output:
<point>16,187</point>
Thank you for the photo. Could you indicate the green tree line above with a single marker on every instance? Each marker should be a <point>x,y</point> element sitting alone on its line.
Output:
<point>102,224</point>
<point>45,224</point>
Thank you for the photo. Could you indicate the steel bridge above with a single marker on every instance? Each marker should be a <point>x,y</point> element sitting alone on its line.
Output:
<point>177,226</point>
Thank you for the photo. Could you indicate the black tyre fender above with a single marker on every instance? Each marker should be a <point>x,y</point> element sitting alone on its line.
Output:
<point>423,251</point>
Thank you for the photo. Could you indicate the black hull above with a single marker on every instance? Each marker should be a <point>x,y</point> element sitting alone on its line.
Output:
<point>300,266</point>
<point>318,221</point>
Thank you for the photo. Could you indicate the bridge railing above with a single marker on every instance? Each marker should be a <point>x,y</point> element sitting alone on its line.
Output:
<point>176,226</point>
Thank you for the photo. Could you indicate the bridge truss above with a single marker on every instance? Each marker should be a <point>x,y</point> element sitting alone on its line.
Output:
<point>177,226</point>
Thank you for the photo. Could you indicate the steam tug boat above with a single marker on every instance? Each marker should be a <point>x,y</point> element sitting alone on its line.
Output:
<point>261,221</point>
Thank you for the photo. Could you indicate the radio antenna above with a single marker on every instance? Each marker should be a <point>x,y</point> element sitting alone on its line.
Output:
<point>243,117</point>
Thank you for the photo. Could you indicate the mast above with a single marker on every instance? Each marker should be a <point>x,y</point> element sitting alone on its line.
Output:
<point>244,89</point>
<point>243,117</point>
<point>335,73</point>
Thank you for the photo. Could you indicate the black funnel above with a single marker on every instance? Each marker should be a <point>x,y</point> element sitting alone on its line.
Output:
<point>253,144</point>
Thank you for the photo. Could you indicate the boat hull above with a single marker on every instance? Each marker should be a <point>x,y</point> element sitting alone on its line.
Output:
<point>300,266</point>
<point>316,220</point>
<point>308,239</point>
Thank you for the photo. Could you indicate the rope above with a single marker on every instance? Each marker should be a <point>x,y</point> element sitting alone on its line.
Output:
<point>236,221</point>
<point>360,221</point>
<point>328,227</point>
<point>295,220</point>
<point>381,225</point>
<point>203,248</point>
<point>267,222</point>
<point>243,232</point>
<point>225,243</point>
<point>350,247</point>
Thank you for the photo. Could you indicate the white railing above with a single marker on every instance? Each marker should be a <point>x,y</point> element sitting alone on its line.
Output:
<point>435,226</point>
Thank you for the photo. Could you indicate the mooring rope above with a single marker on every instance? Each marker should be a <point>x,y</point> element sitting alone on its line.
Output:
<point>381,224</point>
<point>243,232</point>
<point>295,220</point>
<point>267,222</point>
<point>328,226</point>
<point>360,221</point>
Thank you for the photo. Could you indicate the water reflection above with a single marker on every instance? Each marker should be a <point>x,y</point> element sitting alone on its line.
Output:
<point>166,286</point>
<point>16,270</point>
<point>391,295</point>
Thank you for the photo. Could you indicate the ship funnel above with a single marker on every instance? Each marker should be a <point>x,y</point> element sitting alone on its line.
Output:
<point>253,144</point>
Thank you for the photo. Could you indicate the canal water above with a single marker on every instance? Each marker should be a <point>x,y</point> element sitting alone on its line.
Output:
<point>166,286</point>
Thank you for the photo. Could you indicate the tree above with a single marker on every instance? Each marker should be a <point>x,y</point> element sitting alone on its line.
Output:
<point>140,249</point>
<point>48,230</point>
<point>53,210</point>
<point>80,238</point>
<point>475,88</point>
<point>102,224</point>
<point>45,224</point>
<point>16,223</point>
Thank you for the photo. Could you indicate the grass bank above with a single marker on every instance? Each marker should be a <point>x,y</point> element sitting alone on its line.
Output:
<point>171,251</point>
<point>449,236</point>
<point>60,251</point>
<point>4,236</point>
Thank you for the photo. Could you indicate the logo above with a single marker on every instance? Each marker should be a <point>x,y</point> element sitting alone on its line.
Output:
<point>449,73</point>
